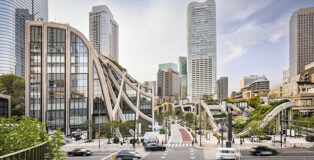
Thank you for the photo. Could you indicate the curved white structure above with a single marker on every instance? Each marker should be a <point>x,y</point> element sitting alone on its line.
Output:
<point>273,114</point>
<point>68,82</point>
<point>235,108</point>
<point>211,118</point>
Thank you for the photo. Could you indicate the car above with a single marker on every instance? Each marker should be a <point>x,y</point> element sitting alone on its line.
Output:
<point>263,150</point>
<point>125,155</point>
<point>154,147</point>
<point>228,153</point>
<point>80,152</point>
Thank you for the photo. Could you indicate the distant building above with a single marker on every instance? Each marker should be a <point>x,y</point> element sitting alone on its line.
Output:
<point>201,45</point>
<point>104,32</point>
<point>286,76</point>
<point>301,40</point>
<point>247,80</point>
<point>222,88</point>
<point>168,83</point>
<point>153,86</point>
<point>233,95</point>
<point>166,66</point>
<point>259,87</point>
<point>13,14</point>
<point>5,106</point>
<point>182,61</point>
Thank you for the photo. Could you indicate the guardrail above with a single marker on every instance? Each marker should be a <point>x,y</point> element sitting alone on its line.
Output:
<point>38,152</point>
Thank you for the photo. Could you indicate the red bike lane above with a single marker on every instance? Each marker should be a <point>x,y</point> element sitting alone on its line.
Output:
<point>185,135</point>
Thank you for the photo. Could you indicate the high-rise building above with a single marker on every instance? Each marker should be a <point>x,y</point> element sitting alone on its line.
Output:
<point>67,82</point>
<point>247,80</point>
<point>182,71</point>
<point>286,76</point>
<point>104,32</point>
<point>168,83</point>
<point>222,88</point>
<point>13,14</point>
<point>166,66</point>
<point>301,40</point>
<point>201,45</point>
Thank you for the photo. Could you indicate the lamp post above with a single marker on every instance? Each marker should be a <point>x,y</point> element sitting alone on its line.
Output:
<point>134,133</point>
<point>200,124</point>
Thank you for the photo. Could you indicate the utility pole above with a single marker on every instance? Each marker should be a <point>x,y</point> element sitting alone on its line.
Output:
<point>99,127</point>
<point>195,124</point>
<point>134,133</point>
<point>222,135</point>
<point>281,129</point>
<point>200,124</point>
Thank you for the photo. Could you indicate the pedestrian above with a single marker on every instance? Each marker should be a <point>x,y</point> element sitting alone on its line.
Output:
<point>241,142</point>
<point>233,140</point>
<point>193,142</point>
<point>134,144</point>
<point>285,140</point>
<point>162,142</point>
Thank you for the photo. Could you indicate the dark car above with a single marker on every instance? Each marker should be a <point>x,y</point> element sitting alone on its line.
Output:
<point>80,152</point>
<point>154,147</point>
<point>263,150</point>
<point>124,155</point>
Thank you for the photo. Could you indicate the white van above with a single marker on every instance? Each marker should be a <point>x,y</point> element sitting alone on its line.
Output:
<point>227,153</point>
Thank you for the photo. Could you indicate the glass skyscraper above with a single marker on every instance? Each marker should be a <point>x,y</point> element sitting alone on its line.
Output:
<point>13,14</point>
<point>201,29</point>
<point>182,71</point>
<point>104,32</point>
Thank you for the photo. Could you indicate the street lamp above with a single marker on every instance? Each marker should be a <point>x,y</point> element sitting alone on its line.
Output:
<point>200,123</point>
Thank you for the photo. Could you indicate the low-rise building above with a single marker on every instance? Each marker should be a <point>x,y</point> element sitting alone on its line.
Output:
<point>5,106</point>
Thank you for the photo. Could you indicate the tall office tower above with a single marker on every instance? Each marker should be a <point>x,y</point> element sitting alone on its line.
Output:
<point>104,32</point>
<point>168,83</point>
<point>301,40</point>
<point>183,74</point>
<point>13,14</point>
<point>222,88</point>
<point>247,80</point>
<point>201,44</point>
<point>166,66</point>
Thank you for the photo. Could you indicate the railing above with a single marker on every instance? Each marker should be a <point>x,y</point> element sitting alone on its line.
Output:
<point>38,152</point>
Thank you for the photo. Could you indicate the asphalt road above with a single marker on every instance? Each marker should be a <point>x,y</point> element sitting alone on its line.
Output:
<point>95,156</point>
<point>284,154</point>
<point>176,153</point>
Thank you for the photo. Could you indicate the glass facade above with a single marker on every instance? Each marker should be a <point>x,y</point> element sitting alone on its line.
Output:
<point>13,14</point>
<point>73,95</point>
<point>183,73</point>
<point>79,82</point>
<point>4,107</point>
<point>100,114</point>
<point>35,78</point>
<point>146,105</point>
<point>56,49</point>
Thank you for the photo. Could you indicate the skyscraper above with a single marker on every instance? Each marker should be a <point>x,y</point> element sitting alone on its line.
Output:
<point>168,83</point>
<point>301,40</point>
<point>13,14</point>
<point>183,74</point>
<point>222,88</point>
<point>166,66</point>
<point>104,32</point>
<point>201,44</point>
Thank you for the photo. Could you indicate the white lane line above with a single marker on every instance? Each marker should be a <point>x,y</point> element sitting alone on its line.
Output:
<point>110,155</point>
<point>192,157</point>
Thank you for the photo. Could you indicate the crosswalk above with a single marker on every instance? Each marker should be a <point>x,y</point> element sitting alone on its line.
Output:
<point>179,144</point>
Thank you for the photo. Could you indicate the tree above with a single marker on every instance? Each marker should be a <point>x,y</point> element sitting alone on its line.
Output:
<point>88,125</point>
<point>189,118</point>
<point>160,117</point>
<point>179,113</point>
<point>239,123</point>
<point>255,128</point>
<point>125,128</point>
<point>108,131</point>
<point>19,133</point>
<point>255,102</point>
<point>143,124</point>
<point>14,86</point>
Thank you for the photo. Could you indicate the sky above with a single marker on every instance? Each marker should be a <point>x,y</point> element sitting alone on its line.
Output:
<point>252,35</point>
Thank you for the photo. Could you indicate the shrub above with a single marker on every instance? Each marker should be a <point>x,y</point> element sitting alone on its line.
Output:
<point>88,141</point>
<point>193,135</point>
<point>310,138</point>
<point>162,131</point>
